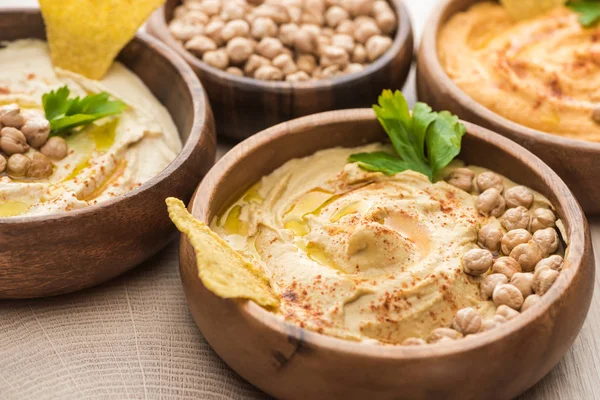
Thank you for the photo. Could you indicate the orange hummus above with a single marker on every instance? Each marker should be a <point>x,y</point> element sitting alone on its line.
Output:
<point>543,73</point>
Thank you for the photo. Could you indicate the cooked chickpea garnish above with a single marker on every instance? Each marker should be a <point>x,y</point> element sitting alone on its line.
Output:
<point>12,141</point>
<point>442,334</point>
<point>530,301</point>
<point>515,218</point>
<point>528,255</point>
<point>547,239</point>
<point>40,167</point>
<point>477,261</point>
<point>36,130</point>
<point>491,202</point>
<point>514,238</point>
<point>10,115</point>
<point>542,218</point>
<point>490,237</point>
<point>487,180</point>
<point>508,295</point>
<point>467,321</point>
<point>489,283</point>
<point>506,266</point>
<point>412,341</point>
<point>543,279</point>
<point>506,312</point>
<point>462,178</point>
<point>17,165</point>
<point>55,148</point>
<point>554,262</point>
<point>518,196</point>
<point>523,281</point>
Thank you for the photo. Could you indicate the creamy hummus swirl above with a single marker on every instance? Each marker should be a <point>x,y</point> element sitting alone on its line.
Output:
<point>356,254</point>
<point>543,73</point>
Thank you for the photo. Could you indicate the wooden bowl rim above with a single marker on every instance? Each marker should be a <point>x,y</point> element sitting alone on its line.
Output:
<point>573,218</point>
<point>200,119</point>
<point>445,84</point>
<point>158,25</point>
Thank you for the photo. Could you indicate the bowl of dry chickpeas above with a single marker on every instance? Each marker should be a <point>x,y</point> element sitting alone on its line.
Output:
<point>263,62</point>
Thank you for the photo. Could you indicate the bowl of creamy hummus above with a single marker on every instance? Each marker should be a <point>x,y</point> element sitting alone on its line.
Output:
<point>81,207</point>
<point>385,285</point>
<point>532,80</point>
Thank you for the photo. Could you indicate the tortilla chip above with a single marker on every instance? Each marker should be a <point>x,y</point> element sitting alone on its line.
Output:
<point>524,9</point>
<point>85,36</point>
<point>222,270</point>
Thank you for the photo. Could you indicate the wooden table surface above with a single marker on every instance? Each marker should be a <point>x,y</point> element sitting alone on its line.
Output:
<point>134,337</point>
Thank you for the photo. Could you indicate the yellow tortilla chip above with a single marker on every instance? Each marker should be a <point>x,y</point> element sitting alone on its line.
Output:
<point>85,36</point>
<point>524,9</point>
<point>222,270</point>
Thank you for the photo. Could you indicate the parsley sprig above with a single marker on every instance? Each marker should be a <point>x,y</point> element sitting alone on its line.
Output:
<point>425,141</point>
<point>66,114</point>
<point>588,10</point>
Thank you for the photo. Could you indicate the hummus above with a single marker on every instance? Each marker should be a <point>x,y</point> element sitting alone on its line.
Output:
<point>543,73</point>
<point>360,255</point>
<point>109,158</point>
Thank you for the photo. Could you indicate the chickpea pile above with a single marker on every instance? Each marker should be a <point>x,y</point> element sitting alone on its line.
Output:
<point>515,263</point>
<point>285,40</point>
<point>24,133</point>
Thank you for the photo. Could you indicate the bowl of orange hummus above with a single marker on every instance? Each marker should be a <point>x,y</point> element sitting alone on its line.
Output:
<point>532,80</point>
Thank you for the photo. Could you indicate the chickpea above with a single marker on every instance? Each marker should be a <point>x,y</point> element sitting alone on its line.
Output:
<point>523,281</point>
<point>489,237</point>
<point>263,27</point>
<point>40,167</point>
<point>554,262</point>
<point>518,196</point>
<point>276,12</point>
<point>239,49</point>
<point>184,32</point>
<point>544,279</point>
<point>467,321</point>
<point>268,73</point>
<point>195,17</point>
<point>55,148</point>
<point>384,16</point>
<point>530,301</point>
<point>346,27</point>
<point>330,72</point>
<point>506,266</point>
<point>306,63</point>
<point>235,71</point>
<point>12,141</point>
<point>235,28</point>
<point>180,12</point>
<point>413,341</point>
<point>487,180</point>
<point>489,283</point>
<point>515,218</point>
<point>255,62</point>
<point>514,238</point>
<point>322,43</point>
<point>285,63</point>
<point>542,218</point>
<point>508,295</point>
<point>210,7</point>
<point>547,239</point>
<point>353,68</point>
<point>269,47</point>
<point>217,58</point>
<point>505,312</point>
<point>491,202</point>
<point>305,40</point>
<point>334,15</point>
<point>299,76</point>
<point>477,261</point>
<point>200,44</point>
<point>213,31</point>
<point>366,27</point>
<point>462,178</point>
<point>287,34</point>
<point>233,10</point>
<point>359,7</point>
<point>343,41</point>
<point>333,55</point>
<point>527,255</point>
<point>17,165</point>
<point>377,46</point>
<point>359,54</point>
<point>488,325</point>
<point>439,334</point>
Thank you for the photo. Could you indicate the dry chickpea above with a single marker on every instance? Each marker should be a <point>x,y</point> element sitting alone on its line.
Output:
<point>299,76</point>
<point>384,16</point>
<point>40,167</point>
<point>17,165</point>
<point>523,281</point>
<point>343,41</point>
<point>547,239</point>
<point>359,54</point>
<point>235,28</point>
<point>322,43</point>
<point>514,238</point>
<point>353,68</point>
<point>12,141</point>
<point>333,55</point>
<point>543,279</point>
<point>210,7</point>
<point>518,196</point>
<point>285,63</point>
<point>184,32</point>
<point>55,148</point>
<point>346,27</point>
<point>263,27</point>
<point>235,71</point>
<point>239,49</point>
<point>327,32</point>
<point>505,312</point>
<point>553,262</point>
<point>305,40</point>
<point>269,47</point>
<point>217,58</point>
<point>530,301</point>
<point>359,7</point>
<point>439,334</point>
<point>376,46</point>
<point>268,73</point>
<point>365,28</point>
<point>330,72</point>
<point>508,295</point>
<point>477,261</point>
<point>491,202</point>
<point>462,178</point>
<point>276,12</point>
<point>506,266</point>
<point>10,115</point>
<point>515,218</point>
<point>213,31</point>
<point>542,218</point>
<point>336,14</point>
<point>413,341</point>
<point>180,12</point>
<point>306,63</point>
<point>467,321</point>
<point>200,44</point>
<point>195,17</point>
<point>488,179</point>
<point>287,34</point>
<point>233,10</point>
<point>527,255</point>
<point>489,283</point>
<point>255,62</point>
<point>489,237</point>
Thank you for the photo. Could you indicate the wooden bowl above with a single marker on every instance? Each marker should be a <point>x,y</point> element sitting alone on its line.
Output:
<point>576,161</point>
<point>292,363</point>
<point>244,106</point>
<point>48,255</point>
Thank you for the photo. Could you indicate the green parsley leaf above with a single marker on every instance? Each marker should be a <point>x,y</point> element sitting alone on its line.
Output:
<point>588,10</point>
<point>66,114</point>
<point>425,142</point>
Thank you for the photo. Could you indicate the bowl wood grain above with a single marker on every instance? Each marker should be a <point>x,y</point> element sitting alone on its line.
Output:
<point>292,363</point>
<point>577,162</point>
<point>49,255</point>
<point>244,106</point>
